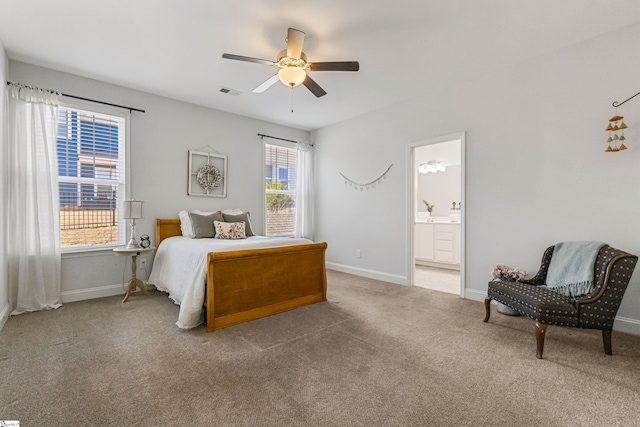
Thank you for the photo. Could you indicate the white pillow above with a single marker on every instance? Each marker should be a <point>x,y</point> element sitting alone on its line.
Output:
<point>235,211</point>
<point>185,222</point>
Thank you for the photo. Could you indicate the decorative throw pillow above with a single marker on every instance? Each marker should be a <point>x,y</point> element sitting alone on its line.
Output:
<point>243,217</point>
<point>185,221</point>
<point>229,230</point>
<point>203,224</point>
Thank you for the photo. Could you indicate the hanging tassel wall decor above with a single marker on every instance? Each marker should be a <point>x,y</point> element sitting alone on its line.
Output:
<point>613,130</point>
<point>616,130</point>
<point>367,185</point>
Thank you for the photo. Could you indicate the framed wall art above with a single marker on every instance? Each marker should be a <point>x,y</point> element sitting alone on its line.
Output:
<point>207,174</point>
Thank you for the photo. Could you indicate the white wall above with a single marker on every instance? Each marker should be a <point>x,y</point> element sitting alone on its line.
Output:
<point>4,280</point>
<point>160,139</point>
<point>536,169</point>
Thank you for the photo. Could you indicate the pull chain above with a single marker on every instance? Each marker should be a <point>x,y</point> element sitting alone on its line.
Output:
<point>292,98</point>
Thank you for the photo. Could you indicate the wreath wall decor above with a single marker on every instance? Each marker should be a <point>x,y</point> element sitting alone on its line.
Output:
<point>207,174</point>
<point>367,185</point>
<point>209,177</point>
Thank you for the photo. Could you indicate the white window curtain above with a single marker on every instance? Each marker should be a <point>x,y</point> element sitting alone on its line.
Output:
<point>304,226</point>
<point>33,200</point>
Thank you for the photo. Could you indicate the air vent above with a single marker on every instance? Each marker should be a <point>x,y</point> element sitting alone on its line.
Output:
<point>228,91</point>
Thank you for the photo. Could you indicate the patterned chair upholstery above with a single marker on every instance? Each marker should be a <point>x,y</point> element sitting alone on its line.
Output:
<point>597,310</point>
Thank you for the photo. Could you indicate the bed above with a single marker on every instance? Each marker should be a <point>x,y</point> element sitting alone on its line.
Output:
<point>238,280</point>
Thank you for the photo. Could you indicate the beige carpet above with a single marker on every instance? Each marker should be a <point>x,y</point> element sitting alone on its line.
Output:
<point>375,354</point>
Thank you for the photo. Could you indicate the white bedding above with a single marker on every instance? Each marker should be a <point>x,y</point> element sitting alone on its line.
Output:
<point>180,269</point>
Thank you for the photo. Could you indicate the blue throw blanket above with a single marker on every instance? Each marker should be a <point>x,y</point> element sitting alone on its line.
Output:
<point>571,268</point>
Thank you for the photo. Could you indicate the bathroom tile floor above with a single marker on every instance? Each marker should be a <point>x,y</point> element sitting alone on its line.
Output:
<point>437,279</point>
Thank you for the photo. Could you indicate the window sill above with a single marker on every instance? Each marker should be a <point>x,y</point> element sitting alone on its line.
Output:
<point>88,251</point>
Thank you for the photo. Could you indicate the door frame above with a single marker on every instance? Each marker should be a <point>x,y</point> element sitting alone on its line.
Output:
<point>412,189</point>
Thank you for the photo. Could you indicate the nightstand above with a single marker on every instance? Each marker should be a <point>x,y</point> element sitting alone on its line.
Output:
<point>134,282</point>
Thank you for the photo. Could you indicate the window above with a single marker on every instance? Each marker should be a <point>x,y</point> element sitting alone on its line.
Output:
<point>280,184</point>
<point>91,159</point>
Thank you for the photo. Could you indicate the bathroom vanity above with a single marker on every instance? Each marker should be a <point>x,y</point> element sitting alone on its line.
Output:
<point>437,243</point>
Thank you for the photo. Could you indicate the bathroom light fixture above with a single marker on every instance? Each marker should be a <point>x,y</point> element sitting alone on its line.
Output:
<point>432,166</point>
<point>132,210</point>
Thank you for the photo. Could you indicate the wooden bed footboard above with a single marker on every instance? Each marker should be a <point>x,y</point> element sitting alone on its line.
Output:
<point>250,284</point>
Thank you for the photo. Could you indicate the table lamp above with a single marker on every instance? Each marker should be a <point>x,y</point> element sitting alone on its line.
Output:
<point>133,210</point>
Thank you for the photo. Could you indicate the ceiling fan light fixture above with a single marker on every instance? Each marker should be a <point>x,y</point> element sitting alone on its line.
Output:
<point>292,76</point>
<point>293,66</point>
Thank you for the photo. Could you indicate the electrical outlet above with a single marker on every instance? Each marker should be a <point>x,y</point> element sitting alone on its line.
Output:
<point>143,263</point>
<point>358,253</point>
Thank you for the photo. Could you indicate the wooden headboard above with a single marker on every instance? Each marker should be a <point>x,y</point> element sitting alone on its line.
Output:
<point>167,228</point>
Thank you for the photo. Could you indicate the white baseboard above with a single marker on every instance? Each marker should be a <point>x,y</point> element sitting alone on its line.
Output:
<point>371,274</point>
<point>626,324</point>
<point>91,293</point>
<point>4,315</point>
<point>97,292</point>
<point>622,324</point>
<point>474,294</point>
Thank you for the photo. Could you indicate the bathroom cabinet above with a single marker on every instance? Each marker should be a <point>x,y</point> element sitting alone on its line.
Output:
<point>437,244</point>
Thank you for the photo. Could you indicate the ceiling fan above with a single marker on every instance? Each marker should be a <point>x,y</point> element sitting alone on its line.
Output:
<point>294,66</point>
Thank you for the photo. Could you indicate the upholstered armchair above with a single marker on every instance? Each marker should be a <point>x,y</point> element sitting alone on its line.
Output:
<point>596,310</point>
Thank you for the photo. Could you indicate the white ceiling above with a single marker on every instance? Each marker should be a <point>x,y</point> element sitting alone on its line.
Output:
<point>406,48</point>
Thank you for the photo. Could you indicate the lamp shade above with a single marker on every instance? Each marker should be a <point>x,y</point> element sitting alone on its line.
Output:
<point>292,76</point>
<point>133,209</point>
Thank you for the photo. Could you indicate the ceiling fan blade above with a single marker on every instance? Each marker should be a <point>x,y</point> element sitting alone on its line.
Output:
<point>335,66</point>
<point>266,84</point>
<point>295,38</point>
<point>314,87</point>
<point>247,59</point>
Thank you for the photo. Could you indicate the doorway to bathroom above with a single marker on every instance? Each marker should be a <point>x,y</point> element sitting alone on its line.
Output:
<point>436,223</point>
